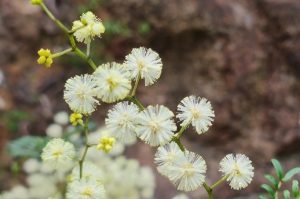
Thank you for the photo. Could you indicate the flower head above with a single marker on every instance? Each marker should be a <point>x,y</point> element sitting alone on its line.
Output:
<point>197,111</point>
<point>45,57</point>
<point>144,63</point>
<point>155,125</point>
<point>113,82</point>
<point>88,27</point>
<point>188,172</point>
<point>106,144</point>
<point>80,94</point>
<point>85,189</point>
<point>166,156</point>
<point>76,118</point>
<point>58,153</point>
<point>121,121</point>
<point>239,170</point>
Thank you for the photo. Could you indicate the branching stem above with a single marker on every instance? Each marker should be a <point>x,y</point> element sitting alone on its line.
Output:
<point>70,36</point>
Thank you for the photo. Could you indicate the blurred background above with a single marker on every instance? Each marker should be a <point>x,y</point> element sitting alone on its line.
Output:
<point>242,55</point>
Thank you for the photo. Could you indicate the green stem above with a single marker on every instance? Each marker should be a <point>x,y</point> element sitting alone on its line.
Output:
<point>53,18</point>
<point>208,190</point>
<point>178,142</point>
<point>69,34</point>
<point>219,182</point>
<point>180,132</point>
<point>88,49</point>
<point>136,84</point>
<point>277,190</point>
<point>62,53</point>
<point>83,56</point>
<point>134,100</point>
<point>81,161</point>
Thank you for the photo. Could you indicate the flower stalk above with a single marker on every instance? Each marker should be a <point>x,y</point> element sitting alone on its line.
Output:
<point>87,146</point>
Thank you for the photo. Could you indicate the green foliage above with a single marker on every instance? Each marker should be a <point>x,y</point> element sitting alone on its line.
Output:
<point>144,28</point>
<point>273,189</point>
<point>278,168</point>
<point>27,146</point>
<point>295,189</point>
<point>291,174</point>
<point>13,119</point>
<point>116,28</point>
<point>90,5</point>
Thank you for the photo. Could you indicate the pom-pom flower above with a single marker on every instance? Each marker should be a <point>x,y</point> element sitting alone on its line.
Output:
<point>113,82</point>
<point>85,189</point>
<point>106,144</point>
<point>238,169</point>
<point>188,172</point>
<point>80,94</point>
<point>145,64</point>
<point>197,111</point>
<point>121,121</point>
<point>58,154</point>
<point>166,156</point>
<point>155,125</point>
<point>88,27</point>
<point>45,57</point>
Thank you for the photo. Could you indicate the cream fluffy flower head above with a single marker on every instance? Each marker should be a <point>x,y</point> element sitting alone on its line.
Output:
<point>88,27</point>
<point>80,94</point>
<point>144,62</point>
<point>58,154</point>
<point>113,82</point>
<point>239,170</point>
<point>121,121</point>
<point>188,172</point>
<point>155,125</point>
<point>85,189</point>
<point>166,156</point>
<point>197,111</point>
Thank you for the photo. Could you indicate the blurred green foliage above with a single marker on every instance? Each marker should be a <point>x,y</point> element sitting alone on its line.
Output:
<point>117,28</point>
<point>144,28</point>
<point>27,146</point>
<point>12,119</point>
<point>90,5</point>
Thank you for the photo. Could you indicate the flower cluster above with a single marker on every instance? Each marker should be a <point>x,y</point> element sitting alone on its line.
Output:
<point>45,57</point>
<point>88,27</point>
<point>126,121</point>
<point>102,174</point>
<point>110,82</point>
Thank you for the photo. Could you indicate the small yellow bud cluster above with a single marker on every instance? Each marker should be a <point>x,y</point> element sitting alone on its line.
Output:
<point>36,2</point>
<point>45,57</point>
<point>76,118</point>
<point>106,144</point>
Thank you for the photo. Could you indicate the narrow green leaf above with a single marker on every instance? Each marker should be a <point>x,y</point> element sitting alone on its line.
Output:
<point>278,168</point>
<point>263,197</point>
<point>291,174</point>
<point>268,189</point>
<point>295,189</point>
<point>271,179</point>
<point>286,194</point>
